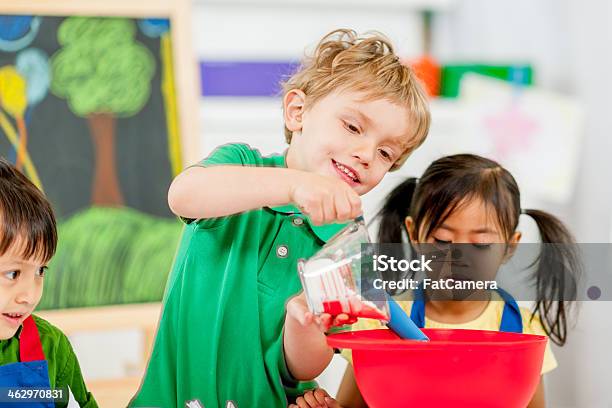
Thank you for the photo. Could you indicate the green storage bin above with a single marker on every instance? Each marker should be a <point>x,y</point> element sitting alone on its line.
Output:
<point>452,74</point>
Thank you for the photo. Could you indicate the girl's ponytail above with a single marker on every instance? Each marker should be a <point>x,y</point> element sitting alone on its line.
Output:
<point>394,211</point>
<point>556,276</point>
<point>392,215</point>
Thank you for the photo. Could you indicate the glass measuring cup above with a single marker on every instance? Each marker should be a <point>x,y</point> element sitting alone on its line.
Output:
<point>336,278</point>
<point>339,279</point>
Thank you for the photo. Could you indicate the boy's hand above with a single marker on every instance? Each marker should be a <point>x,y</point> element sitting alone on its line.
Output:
<point>305,335</point>
<point>318,398</point>
<point>325,199</point>
<point>297,309</point>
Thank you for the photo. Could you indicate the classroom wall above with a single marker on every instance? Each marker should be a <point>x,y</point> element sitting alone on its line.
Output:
<point>562,38</point>
<point>589,64</point>
<point>566,41</point>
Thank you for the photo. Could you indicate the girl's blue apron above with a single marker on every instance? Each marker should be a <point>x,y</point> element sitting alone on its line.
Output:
<point>511,320</point>
<point>31,371</point>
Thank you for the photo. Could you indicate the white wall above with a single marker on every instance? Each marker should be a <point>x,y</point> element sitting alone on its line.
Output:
<point>568,40</point>
<point>589,63</point>
<point>265,31</point>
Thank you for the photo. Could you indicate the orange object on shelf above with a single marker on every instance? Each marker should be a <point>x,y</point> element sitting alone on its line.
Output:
<point>429,72</point>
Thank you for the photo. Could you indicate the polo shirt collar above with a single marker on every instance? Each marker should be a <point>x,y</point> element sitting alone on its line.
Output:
<point>323,232</point>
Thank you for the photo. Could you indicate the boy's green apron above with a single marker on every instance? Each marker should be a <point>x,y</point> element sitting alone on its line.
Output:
<point>220,337</point>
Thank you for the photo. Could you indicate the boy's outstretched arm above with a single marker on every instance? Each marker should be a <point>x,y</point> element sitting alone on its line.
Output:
<point>217,191</point>
<point>306,350</point>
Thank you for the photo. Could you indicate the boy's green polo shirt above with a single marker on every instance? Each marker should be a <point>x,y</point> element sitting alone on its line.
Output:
<point>220,336</point>
<point>64,370</point>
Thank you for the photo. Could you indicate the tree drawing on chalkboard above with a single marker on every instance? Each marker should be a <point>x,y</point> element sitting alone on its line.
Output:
<point>104,74</point>
<point>58,74</point>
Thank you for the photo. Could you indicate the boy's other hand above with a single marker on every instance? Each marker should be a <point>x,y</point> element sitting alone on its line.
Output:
<point>297,309</point>
<point>325,199</point>
<point>318,398</point>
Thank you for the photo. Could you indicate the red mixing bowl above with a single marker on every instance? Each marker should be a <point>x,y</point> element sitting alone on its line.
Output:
<point>456,368</point>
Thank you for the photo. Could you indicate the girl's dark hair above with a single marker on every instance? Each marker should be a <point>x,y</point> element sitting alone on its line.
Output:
<point>25,215</point>
<point>452,181</point>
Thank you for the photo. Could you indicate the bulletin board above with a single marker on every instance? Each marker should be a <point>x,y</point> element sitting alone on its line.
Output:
<point>98,107</point>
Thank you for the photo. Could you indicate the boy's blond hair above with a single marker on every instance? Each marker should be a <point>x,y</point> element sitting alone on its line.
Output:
<point>343,60</point>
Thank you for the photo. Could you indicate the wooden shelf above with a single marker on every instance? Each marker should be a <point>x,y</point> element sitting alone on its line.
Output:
<point>142,316</point>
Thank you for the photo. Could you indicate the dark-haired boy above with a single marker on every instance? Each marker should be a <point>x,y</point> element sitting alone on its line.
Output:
<point>34,355</point>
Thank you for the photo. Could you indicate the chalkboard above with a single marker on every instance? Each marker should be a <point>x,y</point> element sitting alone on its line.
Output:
<point>89,111</point>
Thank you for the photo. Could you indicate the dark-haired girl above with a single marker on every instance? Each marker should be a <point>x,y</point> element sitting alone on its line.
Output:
<point>470,200</point>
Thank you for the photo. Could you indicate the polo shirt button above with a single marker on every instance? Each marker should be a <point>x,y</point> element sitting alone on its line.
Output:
<point>282,251</point>
<point>298,221</point>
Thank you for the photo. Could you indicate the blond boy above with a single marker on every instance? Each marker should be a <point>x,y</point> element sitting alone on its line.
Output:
<point>352,113</point>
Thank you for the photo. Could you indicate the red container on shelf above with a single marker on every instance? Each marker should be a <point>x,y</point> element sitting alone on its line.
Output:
<point>456,368</point>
